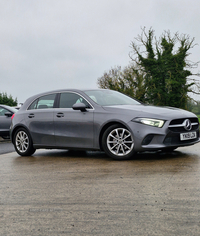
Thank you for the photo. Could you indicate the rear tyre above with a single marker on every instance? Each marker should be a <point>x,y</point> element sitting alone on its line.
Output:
<point>23,142</point>
<point>118,142</point>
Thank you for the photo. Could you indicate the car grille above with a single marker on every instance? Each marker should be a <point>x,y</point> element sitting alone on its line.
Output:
<point>178,125</point>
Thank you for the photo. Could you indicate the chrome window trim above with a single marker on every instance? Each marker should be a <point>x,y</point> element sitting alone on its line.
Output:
<point>59,92</point>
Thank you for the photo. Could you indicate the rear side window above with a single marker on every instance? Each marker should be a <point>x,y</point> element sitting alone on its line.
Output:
<point>43,102</point>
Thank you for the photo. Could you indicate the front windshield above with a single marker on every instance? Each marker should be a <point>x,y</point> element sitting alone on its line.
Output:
<point>110,98</point>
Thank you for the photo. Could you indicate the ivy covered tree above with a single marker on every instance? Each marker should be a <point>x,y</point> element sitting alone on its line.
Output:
<point>7,100</point>
<point>130,81</point>
<point>194,106</point>
<point>160,73</point>
<point>167,75</point>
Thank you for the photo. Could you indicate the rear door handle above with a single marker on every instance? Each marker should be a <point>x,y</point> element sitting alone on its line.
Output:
<point>60,114</point>
<point>31,115</point>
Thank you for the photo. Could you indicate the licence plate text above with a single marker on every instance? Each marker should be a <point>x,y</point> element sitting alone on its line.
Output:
<point>186,136</point>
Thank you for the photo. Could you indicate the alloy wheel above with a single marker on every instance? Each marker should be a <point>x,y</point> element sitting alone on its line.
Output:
<point>120,142</point>
<point>22,141</point>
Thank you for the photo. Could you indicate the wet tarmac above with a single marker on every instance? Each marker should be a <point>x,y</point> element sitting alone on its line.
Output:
<point>6,146</point>
<point>87,193</point>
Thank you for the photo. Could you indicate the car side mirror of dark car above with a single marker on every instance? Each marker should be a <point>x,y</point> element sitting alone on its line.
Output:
<point>8,114</point>
<point>79,106</point>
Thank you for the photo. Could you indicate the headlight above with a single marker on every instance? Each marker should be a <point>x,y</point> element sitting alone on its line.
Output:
<point>151,122</point>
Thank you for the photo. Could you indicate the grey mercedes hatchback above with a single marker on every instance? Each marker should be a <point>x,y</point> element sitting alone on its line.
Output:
<point>99,120</point>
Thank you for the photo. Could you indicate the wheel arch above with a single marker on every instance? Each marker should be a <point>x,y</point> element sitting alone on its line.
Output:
<point>104,128</point>
<point>16,128</point>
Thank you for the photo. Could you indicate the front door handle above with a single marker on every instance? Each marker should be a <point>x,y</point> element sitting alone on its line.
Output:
<point>31,115</point>
<point>60,114</point>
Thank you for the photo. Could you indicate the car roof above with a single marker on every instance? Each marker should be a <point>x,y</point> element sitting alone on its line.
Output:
<point>62,90</point>
<point>30,99</point>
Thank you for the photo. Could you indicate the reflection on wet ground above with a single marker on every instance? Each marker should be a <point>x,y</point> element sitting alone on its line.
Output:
<point>86,193</point>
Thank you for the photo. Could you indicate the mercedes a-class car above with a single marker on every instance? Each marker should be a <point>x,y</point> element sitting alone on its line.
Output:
<point>99,120</point>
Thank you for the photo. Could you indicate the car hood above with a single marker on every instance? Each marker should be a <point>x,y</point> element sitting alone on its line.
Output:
<point>150,111</point>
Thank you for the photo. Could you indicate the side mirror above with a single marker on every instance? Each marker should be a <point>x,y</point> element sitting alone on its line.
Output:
<point>79,106</point>
<point>8,114</point>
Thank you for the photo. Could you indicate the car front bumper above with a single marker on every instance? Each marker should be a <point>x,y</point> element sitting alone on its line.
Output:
<point>149,138</point>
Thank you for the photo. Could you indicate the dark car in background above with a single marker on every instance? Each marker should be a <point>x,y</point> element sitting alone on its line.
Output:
<point>100,120</point>
<point>5,120</point>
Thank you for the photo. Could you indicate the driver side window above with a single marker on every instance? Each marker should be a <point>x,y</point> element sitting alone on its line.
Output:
<point>67,100</point>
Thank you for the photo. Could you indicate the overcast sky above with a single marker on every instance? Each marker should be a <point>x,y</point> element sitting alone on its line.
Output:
<point>53,44</point>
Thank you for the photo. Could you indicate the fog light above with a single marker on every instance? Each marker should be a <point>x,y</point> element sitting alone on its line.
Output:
<point>147,139</point>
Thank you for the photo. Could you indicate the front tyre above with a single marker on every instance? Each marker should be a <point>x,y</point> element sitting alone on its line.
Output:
<point>23,142</point>
<point>118,142</point>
